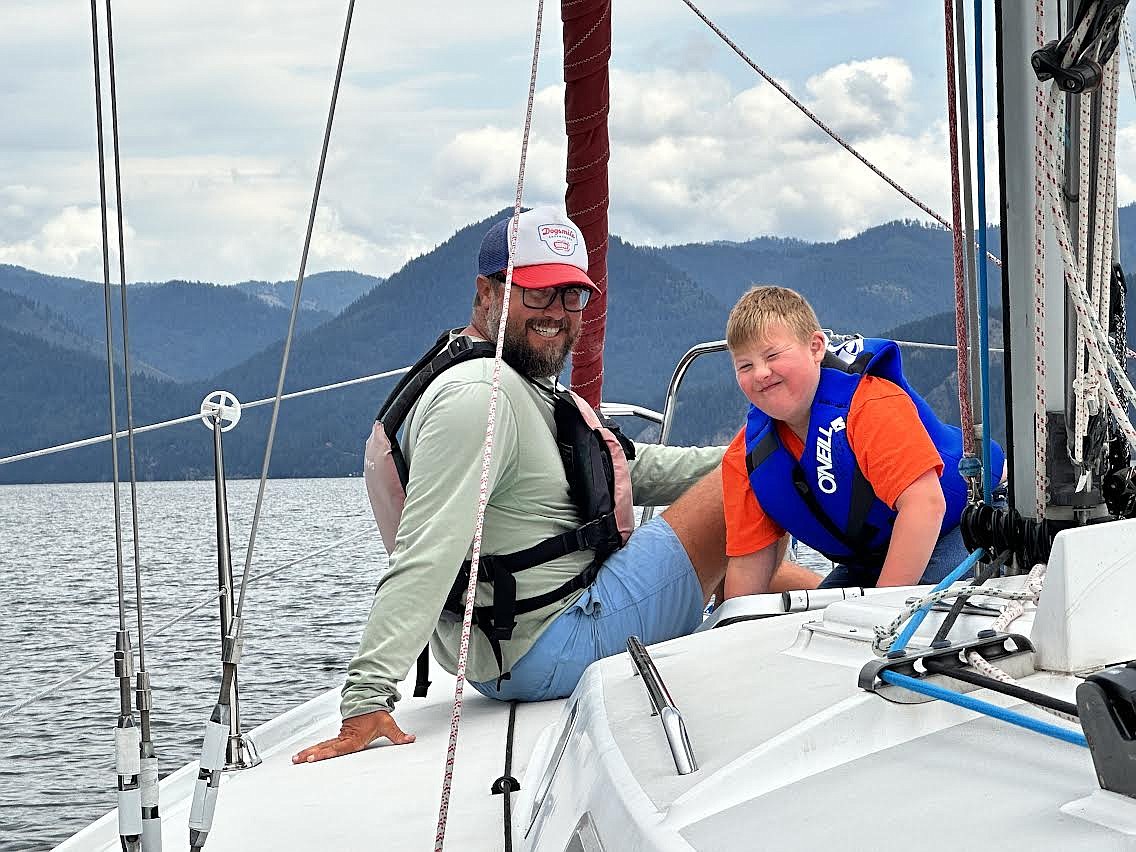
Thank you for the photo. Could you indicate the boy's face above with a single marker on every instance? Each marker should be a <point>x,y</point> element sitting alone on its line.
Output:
<point>779,374</point>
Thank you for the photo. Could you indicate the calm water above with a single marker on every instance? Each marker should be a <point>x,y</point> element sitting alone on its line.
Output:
<point>59,613</point>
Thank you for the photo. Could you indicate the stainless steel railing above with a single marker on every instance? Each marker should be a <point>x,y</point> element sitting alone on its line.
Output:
<point>664,707</point>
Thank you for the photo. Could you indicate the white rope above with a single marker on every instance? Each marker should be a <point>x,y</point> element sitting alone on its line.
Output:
<point>885,635</point>
<point>1034,583</point>
<point>1081,415</point>
<point>1049,159</point>
<point>1044,118</point>
<point>486,459</point>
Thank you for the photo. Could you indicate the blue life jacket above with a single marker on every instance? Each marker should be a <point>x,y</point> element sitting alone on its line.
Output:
<point>824,499</point>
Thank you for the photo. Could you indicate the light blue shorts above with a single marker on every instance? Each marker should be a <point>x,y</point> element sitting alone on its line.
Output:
<point>647,588</point>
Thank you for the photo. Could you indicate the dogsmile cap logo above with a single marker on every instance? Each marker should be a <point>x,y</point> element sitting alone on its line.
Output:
<point>559,238</point>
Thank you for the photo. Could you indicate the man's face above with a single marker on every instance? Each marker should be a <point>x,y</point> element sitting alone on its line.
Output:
<point>780,374</point>
<point>537,340</point>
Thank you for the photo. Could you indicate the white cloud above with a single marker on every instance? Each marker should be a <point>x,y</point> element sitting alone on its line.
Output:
<point>222,111</point>
<point>863,97</point>
<point>70,243</point>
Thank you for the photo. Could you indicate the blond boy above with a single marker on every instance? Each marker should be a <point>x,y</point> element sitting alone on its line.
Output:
<point>839,451</point>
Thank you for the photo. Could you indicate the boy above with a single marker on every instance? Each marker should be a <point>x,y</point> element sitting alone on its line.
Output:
<point>837,450</point>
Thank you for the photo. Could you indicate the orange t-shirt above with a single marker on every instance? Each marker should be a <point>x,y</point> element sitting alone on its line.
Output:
<point>887,438</point>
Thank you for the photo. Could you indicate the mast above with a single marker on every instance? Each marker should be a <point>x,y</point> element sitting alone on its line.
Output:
<point>587,51</point>
<point>1034,272</point>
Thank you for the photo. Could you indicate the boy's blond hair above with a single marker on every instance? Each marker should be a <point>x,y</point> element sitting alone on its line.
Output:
<point>765,306</point>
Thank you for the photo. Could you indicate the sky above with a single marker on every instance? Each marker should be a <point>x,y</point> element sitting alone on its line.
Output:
<point>222,108</point>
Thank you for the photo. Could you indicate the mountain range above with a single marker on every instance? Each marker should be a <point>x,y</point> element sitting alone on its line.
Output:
<point>189,338</point>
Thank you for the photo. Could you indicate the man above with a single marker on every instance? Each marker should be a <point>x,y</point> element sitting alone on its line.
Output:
<point>655,586</point>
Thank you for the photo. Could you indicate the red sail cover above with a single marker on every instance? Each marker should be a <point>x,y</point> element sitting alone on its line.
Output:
<point>587,50</point>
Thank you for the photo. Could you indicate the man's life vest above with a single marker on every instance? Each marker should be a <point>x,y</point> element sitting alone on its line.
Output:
<point>594,453</point>
<point>824,499</point>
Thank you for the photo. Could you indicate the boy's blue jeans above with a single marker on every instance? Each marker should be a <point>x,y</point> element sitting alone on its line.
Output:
<point>946,557</point>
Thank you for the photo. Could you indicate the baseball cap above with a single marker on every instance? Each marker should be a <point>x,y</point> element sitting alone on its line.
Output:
<point>550,250</point>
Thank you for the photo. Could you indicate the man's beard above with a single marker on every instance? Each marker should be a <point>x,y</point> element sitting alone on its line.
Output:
<point>522,357</point>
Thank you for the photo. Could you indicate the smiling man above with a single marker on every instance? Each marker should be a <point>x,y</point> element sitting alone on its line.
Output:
<point>562,580</point>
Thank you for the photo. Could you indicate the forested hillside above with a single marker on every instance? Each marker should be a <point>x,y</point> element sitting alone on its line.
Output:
<point>894,280</point>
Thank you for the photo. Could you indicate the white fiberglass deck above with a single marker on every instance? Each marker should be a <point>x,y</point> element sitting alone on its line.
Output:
<point>385,797</point>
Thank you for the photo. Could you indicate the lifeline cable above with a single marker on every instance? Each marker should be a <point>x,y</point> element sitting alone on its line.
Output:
<point>189,418</point>
<point>486,458</point>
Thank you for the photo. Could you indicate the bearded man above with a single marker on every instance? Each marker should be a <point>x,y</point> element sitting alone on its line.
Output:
<point>553,595</point>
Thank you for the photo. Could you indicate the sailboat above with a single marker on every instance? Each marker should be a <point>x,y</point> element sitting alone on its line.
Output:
<point>855,719</point>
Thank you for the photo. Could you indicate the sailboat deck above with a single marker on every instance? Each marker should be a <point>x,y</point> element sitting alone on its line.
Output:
<point>358,801</point>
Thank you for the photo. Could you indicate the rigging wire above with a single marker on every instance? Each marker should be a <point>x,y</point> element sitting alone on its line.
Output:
<point>983,294</point>
<point>487,456</point>
<point>967,199</point>
<point>127,737</point>
<point>966,416</point>
<point>129,387</point>
<point>295,308</point>
<point>107,316</point>
<point>147,757</point>
<point>217,726</point>
<point>828,130</point>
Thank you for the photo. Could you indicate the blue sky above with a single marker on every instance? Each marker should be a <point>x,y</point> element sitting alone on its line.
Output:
<point>222,108</point>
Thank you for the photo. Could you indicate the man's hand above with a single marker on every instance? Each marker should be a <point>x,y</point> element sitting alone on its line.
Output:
<point>354,735</point>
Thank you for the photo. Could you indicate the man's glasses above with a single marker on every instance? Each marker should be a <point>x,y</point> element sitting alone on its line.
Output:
<point>573,298</point>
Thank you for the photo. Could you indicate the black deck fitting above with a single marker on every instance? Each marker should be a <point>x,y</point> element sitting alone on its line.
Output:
<point>1081,72</point>
<point>999,646</point>
<point>1106,703</point>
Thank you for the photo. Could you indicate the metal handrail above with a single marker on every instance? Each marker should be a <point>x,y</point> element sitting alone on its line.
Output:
<point>664,707</point>
<point>695,352</point>
<point>623,409</point>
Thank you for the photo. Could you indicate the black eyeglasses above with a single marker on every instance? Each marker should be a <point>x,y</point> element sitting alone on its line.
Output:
<point>573,298</point>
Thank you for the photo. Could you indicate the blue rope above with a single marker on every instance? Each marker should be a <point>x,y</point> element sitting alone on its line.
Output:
<point>965,701</point>
<point>983,295</point>
<point>917,617</point>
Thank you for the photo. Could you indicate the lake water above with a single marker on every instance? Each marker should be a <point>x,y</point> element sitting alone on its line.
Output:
<point>58,599</point>
<point>59,614</point>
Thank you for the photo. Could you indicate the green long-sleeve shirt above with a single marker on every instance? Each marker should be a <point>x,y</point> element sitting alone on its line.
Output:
<point>527,502</point>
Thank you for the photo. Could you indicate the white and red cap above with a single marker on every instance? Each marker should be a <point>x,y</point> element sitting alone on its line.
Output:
<point>550,250</point>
